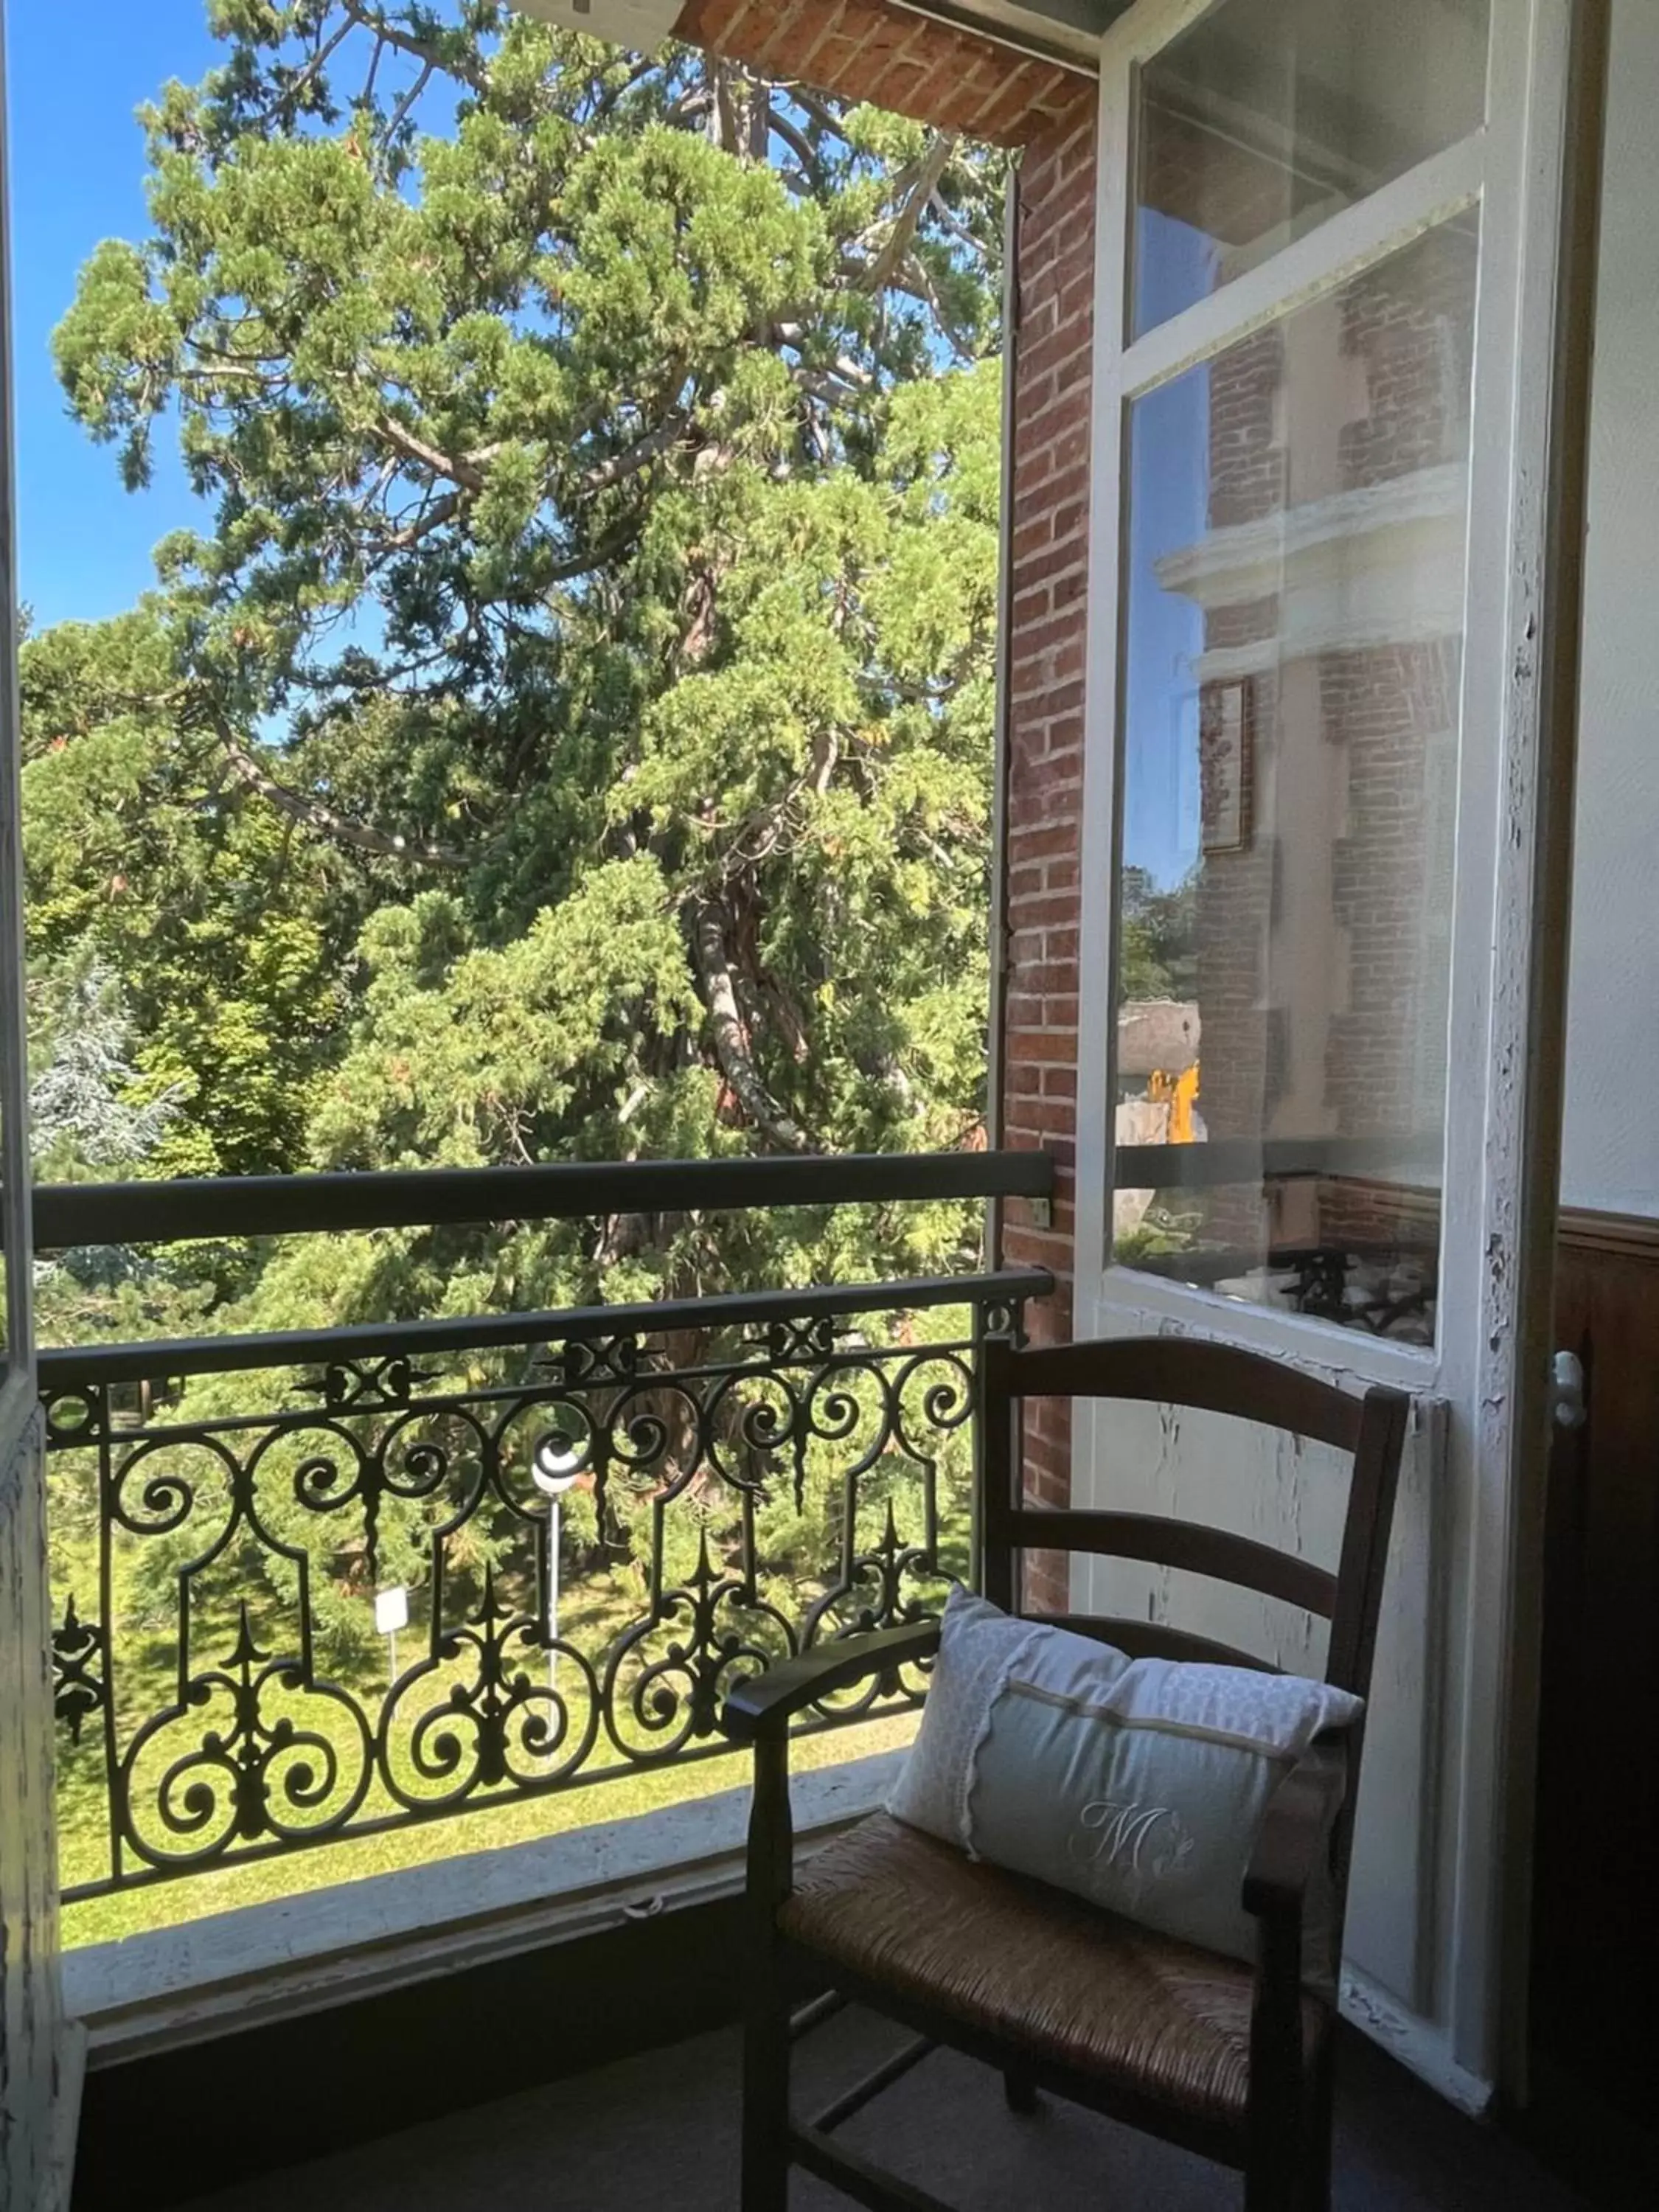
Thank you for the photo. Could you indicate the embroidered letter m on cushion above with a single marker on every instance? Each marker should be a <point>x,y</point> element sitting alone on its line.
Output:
<point>1139,1785</point>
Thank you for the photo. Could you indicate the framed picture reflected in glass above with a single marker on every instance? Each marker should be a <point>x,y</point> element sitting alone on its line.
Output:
<point>1225,733</point>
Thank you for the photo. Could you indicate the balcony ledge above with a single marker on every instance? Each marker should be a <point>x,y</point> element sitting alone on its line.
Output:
<point>151,1993</point>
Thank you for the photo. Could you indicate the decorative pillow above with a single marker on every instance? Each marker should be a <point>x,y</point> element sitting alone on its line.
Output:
<point>1139,1785</point>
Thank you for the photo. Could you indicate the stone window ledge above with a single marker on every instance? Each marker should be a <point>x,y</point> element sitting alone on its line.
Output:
<point>264,1962</point>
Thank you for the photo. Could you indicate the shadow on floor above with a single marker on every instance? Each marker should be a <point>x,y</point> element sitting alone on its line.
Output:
<point>658,2134</point>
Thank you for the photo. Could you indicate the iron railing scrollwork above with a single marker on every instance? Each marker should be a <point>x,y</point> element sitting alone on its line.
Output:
<point>597,1521</point>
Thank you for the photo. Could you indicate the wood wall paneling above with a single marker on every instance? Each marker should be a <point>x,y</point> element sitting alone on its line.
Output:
<point>1596,1911</point>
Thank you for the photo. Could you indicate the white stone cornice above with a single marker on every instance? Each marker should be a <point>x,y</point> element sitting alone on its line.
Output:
<point>1383,565</point>
<point>1244,560</point>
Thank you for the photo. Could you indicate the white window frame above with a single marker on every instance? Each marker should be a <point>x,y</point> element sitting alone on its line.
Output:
<point>1483,1386</point>
<point>18,1397</point>
<point>1459,178</point>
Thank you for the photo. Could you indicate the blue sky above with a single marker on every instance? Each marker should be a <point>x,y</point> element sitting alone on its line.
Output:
<point>1168,498</point>
<point>77,173</point>
<point>77,176</point>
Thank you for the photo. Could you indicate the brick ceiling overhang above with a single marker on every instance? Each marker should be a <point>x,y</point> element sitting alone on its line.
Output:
<point>894,58</point>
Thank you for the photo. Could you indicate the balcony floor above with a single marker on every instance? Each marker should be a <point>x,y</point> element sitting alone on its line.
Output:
<point>660,2132</point>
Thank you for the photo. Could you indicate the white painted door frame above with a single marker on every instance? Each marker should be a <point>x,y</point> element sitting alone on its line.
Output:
<point>1509,922</point>
<point>38,2099</point>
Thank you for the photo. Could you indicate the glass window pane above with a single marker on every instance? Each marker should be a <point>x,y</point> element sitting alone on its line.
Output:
<point>1298,510</point>
<point>1268,116</point>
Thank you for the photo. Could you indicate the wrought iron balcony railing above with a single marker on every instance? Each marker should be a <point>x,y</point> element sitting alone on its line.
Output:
<point>317,1585</point>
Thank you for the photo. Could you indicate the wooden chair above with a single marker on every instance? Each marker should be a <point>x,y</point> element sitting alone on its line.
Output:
<point>1230,2061</point>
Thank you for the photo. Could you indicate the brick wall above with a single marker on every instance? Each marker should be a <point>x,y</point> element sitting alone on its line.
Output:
<point>1409,320</point>
<point>1051,364</point>
<point>1388,704</point>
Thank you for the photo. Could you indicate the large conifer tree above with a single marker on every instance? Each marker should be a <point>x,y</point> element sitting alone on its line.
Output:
<point>585,659</point>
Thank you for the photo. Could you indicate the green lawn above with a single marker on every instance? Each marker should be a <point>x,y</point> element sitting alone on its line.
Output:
<point>167,1555</point>
<point>192,1897</point>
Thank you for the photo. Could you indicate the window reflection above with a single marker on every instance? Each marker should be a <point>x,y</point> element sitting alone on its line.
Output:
<point>1269,116</point>
<point>1295,596</point>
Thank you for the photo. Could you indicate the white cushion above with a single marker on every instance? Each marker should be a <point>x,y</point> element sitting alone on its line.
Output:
<point>1138,1784</point>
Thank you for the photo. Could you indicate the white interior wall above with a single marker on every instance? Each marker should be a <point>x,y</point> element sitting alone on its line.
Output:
<point>1611,1136</point>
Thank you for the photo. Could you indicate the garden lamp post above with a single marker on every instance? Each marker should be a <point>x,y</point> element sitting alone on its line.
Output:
<point>554,1468</point>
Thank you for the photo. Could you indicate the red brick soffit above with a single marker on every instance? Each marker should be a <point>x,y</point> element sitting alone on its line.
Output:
<point>896,59</point>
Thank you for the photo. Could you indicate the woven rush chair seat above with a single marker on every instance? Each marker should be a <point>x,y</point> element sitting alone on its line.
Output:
<point>1056,1976</point>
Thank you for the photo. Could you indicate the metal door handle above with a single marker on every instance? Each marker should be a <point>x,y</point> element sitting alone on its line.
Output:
<point>1567,1408</point>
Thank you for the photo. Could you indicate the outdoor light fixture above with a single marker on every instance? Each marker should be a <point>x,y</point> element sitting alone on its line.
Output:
<point>555,1466</point>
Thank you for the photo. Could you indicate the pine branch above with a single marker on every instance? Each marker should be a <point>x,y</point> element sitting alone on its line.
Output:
<point>288,98</point>
<point>732,1045</point>
<point>421,50</point>
<point>313,814</point>
<point>408,535</point>
<point>824,384</point>
<point>636,457</point>
<point>724,126</point>
<point>801,146</point>
<point>954,224</point>
<point>811,105</point>
<point>920,185</point>
<point>613,96</point>
<point>466,470</point>
<point>409,100</point>
<point>366,97</point>
<point>917,283</point>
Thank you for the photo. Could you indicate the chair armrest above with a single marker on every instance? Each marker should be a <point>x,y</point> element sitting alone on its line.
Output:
<point>1295,1829</point>
<point>764,1706</point>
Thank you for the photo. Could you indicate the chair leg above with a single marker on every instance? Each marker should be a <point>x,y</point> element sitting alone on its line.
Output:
<point>1020,2090</point>
<point>1277,2124</point>
<point>765,2037</point>
<point>765,2098</point>
<point>1288,2165</point>
<point>1272,2184</point>
<point>1316,2153</point>
<point>1276,2163</point>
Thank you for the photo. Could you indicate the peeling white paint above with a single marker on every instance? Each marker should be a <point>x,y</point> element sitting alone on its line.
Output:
<point>33,2168</point>
<point>1425,1934</point>
<point>1292,1494</point>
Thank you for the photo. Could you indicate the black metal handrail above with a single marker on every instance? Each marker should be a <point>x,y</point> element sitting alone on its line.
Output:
<point>1222,1160</point>
<point>75,1214</point>
<point>70,1367</point>
<point>602,1518</point>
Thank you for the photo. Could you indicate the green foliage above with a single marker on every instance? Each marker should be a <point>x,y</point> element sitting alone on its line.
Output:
<point>567,733</point>
<point>476,1054</point>
<point>571,737</point>
<point>1158,949</point>
<point>222,926</point>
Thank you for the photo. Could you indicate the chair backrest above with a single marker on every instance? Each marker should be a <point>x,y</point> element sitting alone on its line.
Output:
<point>1217,1378</point>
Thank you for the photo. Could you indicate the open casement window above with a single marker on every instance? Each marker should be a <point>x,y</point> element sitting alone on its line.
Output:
<point>18,1403</point>
<point>1294,394</point>
<point>1326,348</point>
<point>33,2111</point>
